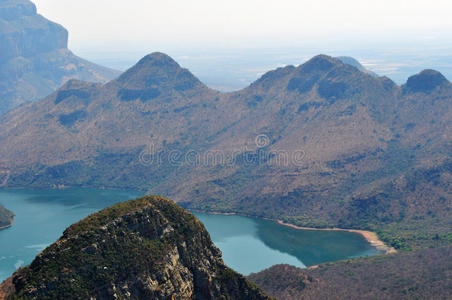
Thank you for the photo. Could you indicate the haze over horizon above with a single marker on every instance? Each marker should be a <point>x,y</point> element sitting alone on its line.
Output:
<point>230,44</point>
<point>246,24</point>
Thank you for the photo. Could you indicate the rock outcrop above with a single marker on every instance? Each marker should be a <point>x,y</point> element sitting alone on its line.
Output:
<point>149,248</point>
<point>34,58</point>
<point>6,217</point>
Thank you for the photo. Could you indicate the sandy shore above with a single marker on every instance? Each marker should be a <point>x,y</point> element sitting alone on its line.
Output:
<point>370,236</point>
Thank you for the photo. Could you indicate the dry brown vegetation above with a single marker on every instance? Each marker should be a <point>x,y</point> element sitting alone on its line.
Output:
<point>423,274</point>
<point>376,156</point>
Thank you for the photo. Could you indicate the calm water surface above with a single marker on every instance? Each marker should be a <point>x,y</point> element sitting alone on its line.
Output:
<point>248,245</point>
<point>252,245</point>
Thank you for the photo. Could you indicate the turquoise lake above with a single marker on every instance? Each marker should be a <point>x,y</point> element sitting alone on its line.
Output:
<point>248,245</point>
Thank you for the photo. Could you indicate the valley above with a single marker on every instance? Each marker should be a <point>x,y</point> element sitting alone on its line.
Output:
<point>371,155</point>
<point>320,179</point>
<point>248,245</point>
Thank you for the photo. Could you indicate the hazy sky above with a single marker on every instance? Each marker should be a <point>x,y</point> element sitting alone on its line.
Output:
<point>126,25</point>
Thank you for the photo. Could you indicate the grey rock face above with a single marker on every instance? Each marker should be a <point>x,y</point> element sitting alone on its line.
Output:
<point>24,33</point>
<point>34,59</point>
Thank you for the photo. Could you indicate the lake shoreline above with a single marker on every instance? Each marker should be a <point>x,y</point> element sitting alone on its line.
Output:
<point>7,226</point>
<point>370,236</point>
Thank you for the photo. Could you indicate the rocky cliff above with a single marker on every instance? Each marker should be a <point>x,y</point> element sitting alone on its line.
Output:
<point>149,248</point>
<point>34,58</point>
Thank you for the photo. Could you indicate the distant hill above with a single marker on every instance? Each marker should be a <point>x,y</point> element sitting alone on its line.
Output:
<point>424,274</point>
<point>34,59</point>
<point>6,217</point>
<point>319,145</point>
<point>149,248</point>
<point>353,62</point>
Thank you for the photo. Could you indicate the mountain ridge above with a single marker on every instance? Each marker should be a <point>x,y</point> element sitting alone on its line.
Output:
<point>361,141</point>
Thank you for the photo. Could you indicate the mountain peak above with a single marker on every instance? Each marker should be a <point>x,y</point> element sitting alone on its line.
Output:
<point>320,62</point>
<point>158,70</point>
<point>156,63</point>
<point>355,63</point>
<point>145,248</point>
<point>158,59</point>
<point>425,81</point>
<point>332,78</point>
